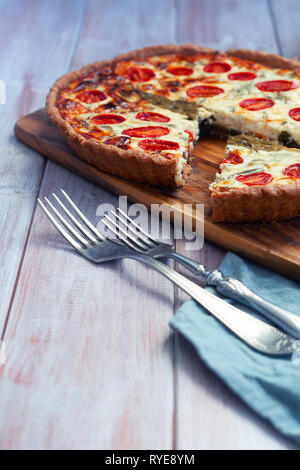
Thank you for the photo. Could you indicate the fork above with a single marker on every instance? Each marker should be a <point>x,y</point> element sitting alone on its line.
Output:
<point>141,241</point>
<point>93,246</point>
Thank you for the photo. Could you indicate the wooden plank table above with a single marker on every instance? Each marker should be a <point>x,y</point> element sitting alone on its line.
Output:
<point>91,362</point>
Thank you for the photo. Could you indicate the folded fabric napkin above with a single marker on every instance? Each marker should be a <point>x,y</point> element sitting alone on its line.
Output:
<point>268,385</point>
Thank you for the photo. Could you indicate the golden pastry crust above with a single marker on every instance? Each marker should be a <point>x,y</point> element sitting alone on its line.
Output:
<point>149,51</point>
<point>257,203</point>
<point>129,164</point>
<point>265,58</point>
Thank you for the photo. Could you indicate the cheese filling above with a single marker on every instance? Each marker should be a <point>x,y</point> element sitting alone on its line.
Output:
<point>257,160</point>
<point>222,93</point>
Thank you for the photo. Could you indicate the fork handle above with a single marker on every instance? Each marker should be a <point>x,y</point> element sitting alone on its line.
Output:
<point>234,289</point>
<point>256,333</point>
<point>189,264</point>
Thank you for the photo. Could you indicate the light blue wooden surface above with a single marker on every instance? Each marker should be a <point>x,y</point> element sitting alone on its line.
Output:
<point>91,361</point>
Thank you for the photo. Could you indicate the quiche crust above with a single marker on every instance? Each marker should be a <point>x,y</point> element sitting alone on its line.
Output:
<point>266,58</point>
<point>148,51</point>
<point>256,203</point>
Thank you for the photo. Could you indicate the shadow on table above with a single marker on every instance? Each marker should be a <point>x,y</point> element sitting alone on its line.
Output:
<point>53,241</point>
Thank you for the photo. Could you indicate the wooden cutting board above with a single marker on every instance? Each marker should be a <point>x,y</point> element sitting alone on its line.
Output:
<point>275,245</point>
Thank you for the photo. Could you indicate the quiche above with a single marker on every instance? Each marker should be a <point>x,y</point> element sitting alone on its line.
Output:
<point>240,95</point>
<point>138,115</point>
<point>256,181</point>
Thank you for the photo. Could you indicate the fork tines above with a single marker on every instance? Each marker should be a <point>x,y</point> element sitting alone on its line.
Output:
<point>85,237</point>
<point>132,234</point>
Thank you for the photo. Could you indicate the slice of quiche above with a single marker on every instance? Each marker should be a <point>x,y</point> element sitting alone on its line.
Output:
<point>256,181</point>
<point>113,114</point>
<point>152,130</point>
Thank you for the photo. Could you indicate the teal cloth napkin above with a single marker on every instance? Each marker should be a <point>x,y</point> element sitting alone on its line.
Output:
<point>268,385</point>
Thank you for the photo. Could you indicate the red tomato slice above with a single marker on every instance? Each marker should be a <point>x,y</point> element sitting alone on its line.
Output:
<point>154,117</point>
<point>276,85</point>
<point>293,171</point>
<point>85,135</point>
<point>191,137</point>
<point>233,158</point>
<point>295,114</point>
<point>180,70</point>
<point>91,96</point>
<point>92,134</point>
<point>242,76</point>
<point>217,67</point>
<point>120,141</point>
<point>156,145</point>
<point>256,104</point>
<point>191,140</point>
<point>65,105</point>
<point>256,178</point>
<point>103,119</point>
<point>203,91</point>
<point>150,131</point>
<point>168,156</point>
<point>139,74</point>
